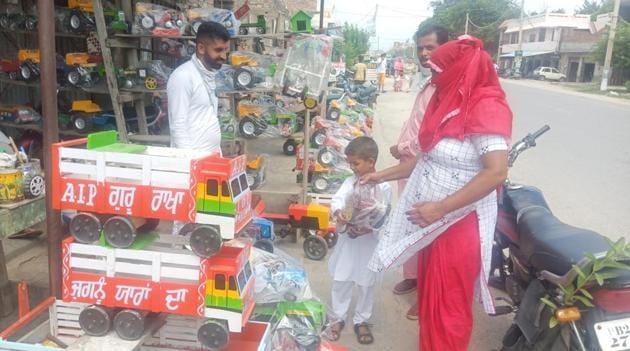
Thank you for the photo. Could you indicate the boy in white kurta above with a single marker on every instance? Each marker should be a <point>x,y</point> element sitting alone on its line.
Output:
<point>358,237</point>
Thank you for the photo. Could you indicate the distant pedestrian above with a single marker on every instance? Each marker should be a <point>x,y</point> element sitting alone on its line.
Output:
<point>360,70</point>
<point>381,68</point>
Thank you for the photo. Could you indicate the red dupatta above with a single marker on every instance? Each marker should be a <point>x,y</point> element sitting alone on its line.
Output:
<point>468,99</point>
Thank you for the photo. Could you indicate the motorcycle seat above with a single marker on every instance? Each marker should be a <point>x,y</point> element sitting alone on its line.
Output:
<point>549,244</point>
<point>525,196</point>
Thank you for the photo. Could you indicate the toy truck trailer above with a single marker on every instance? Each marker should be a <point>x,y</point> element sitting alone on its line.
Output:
<point>97,176</point>
<point>123,286</point>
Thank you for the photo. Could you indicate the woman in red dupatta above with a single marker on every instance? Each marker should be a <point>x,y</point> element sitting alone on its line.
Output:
<point>448,209</point>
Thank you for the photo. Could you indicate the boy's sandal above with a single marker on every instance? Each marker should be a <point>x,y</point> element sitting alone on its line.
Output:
<point>335,330</point>
<point>364,335</point>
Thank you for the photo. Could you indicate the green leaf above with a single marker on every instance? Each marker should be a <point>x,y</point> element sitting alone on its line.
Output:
<point>586,293</point>
<point>579,271</point>
<point>608,275</point>
<point>584,300</point>
<point>599,278</point>
<point>549,303</point>
<point>620,245</point>
<point>591,257</point>
<point>616,264</point>
<point>553,322</point>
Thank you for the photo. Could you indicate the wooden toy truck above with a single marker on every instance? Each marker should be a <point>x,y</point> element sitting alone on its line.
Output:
<point>98,176</point>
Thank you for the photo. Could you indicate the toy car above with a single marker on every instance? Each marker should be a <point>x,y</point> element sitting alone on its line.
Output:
<point>260,26</point>
<point>176,48</point>
<point>18,21</point>
<point>255,119</point>
<point>19,114</point>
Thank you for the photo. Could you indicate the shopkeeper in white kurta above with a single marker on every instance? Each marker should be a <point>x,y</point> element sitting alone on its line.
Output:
<point>192,100</point>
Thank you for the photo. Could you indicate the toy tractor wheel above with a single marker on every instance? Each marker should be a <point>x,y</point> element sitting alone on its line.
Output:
<point>253,181</point>
<point>333,114</point>
<point>30,24</point>
<point>129,324</point>
<point>264,244</point>
<point>33,186</point>
<point>147,22</point>
<point>4,21</point>
<point>243,78</point>
<point>320,184</point>
<point>205,241</point>
<point>151,83</point>
<point>319,137</point>
<point>213,334</point>
<point>247,127</point>
<point>289,147</point>
<point>243,31</point>
<point>25,72</point>
<point>165,47</point>
<point>326,156</point>
<point>73,77</point>
<point>315,247</point>
<point>119,232</point>
<point>261,30</point>
<point>194,27</point>
<point>310,103</point>
<point>75,22</point>
<point>85,228</point>
<point>82,123</point>
<point>95,320</point>
<point>331,239</point>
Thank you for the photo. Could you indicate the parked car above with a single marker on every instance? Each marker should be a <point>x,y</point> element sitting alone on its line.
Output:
<point>548,73</point>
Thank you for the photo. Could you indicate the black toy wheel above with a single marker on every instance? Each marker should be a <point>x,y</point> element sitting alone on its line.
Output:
<point>75,21</point>
<point>119,232</point>
<point>289,147</point>
<point>129,324</point>
<point>25,71</point>
<point>318,137</point>
<point>165,47</point>
<point>4,21</point>
<point>73,77</point>
<point>326,156</point>
<point>30,24</point>
<point>85,228</point>
<point>81,122</point>
<point>331,239</point>
<point>264,244</point>
<point>205,241</point>
<point>333,114</point>
<point>261,30</point>
<point>243,31</point>
<point>243,78</point>
<point>320,183</point>
<point>34,185</point>
<point>147,22</point>
<point>247,127</point>
<point>213,334</point>
<point>315,247</point>
<point>95,320</point>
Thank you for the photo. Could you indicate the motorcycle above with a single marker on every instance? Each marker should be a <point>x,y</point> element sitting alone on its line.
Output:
<point>365,94</point>
<point>546,261</point>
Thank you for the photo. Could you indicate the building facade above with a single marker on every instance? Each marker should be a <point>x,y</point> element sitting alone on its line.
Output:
<point>563,41</point>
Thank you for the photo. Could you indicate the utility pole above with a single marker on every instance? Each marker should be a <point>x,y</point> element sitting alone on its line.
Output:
<point>466,28</point>
<point>321,16</point>
<point>518,55</point>
<point>609,47</point>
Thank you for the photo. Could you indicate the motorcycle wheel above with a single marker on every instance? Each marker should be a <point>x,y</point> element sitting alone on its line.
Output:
<point>33,186</point>
<point>247,127</point>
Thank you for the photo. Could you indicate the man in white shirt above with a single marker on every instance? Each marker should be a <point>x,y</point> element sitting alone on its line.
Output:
<point>192,100</point>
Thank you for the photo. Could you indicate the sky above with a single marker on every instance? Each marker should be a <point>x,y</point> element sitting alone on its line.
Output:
<point>397,20</point>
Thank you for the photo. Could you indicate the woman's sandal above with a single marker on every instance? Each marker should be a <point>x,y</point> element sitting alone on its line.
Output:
<point>335,330</point>
<point>364,335</point>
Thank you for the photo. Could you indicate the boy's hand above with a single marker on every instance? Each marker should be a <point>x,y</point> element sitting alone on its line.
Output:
<point>394,151</point>
<point>340,218</point>
<point>370,178</point>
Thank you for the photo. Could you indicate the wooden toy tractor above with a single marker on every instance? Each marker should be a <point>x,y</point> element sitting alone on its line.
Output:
<point>83,69</point>
<point>81,17</point>
<point>260,26</point>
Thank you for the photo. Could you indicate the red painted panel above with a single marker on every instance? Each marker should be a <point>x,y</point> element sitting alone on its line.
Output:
<point>80,194</point>
<point>170,204</point>
<point>179,299</point>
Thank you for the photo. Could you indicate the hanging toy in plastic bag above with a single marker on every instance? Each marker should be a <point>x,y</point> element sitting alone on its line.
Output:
<point>366,208</point>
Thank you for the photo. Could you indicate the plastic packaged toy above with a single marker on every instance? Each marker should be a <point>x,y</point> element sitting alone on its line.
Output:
<point>158,21</point>
<point>204,14</point>
<point>366,207</point>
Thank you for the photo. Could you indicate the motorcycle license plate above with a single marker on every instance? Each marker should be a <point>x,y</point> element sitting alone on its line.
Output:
<point>614,335</point>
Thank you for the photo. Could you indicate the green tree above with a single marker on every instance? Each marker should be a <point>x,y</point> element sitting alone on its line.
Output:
<point>356,42</point>
<point>589,7</point>
<point>485,18</point>
<point>621,48</point>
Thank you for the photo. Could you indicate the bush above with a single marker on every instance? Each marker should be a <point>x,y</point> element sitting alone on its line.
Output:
<point>628,86</point>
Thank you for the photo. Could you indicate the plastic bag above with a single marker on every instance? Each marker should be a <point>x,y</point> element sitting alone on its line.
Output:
<point>151,75</point>
<point>197,16</point>
<point>366,208</point>
<point>279,277</point>
<point>252,70</point>
<point>159,21</point>
<point>265,120</point>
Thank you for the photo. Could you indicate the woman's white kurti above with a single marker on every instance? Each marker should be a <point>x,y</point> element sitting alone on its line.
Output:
<point>445,169</point>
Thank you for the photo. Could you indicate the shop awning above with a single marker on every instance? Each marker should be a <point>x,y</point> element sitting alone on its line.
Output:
<point>527,53</point>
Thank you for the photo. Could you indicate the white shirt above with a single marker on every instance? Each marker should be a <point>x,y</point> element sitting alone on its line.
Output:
<point>382,66</point>
<point>192,115</point>
<point>350,257</point>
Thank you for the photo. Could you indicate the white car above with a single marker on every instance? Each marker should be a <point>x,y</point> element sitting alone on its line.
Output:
<point>548,73</point>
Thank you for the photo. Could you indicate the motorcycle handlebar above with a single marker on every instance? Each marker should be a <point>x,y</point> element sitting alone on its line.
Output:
<point>541,131</point>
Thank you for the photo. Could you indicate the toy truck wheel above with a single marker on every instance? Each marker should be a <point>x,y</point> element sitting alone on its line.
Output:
<point>33,185</point>
<point>119,232</point>
<point>320,183</point>
<point>81,123</point>
<point>129,324</point>
<point>147,22</point>
<point>95,320</point>
<point>310,103</point>
<point>261,30</point>
<point>213,334</point>
<point>73,77</point>
<point>331,239</point>
<point>289,147</point>
<point>165,47</point>
<point>253,180</point>
<point>326,157</point>
<point>315,247</point>
<point>205,241</point>
<point>4,21</point>
<point>25,72</point>
<point>319,137</point>
<point>247,127</point>
<point>264,244</point>
<point>30,24</point>
<point>151,83</point>
<point>243,78</point>
<point>243,31</point>
<point>75,22</point>
<point>333,114</point>
<point>85,228</point>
